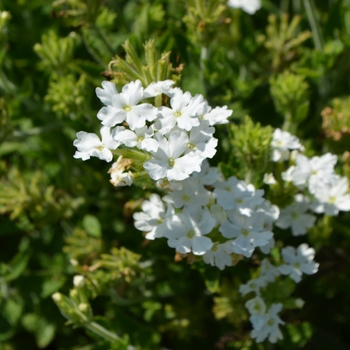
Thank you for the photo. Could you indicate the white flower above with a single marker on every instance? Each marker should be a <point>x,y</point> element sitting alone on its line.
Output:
<point>192,193</point>
<point>253,285</point>
<point>271,213</point>
<point>189,235</point>
<point>269,179</point>
<point>218,256</point>
<point>89,145</point>
<point>298,261</point>
<point>287,175</point>
<point>314,172</point>
<point>237,194</point>
<point>267,325</point>
<point>268,271</point>
<point>182,113</point>
<point>159,87</point>
<point>256,306</point>
<point>332,198</point>
<point>124,106</point>
<point>107,92</point>
<point>267,247</point>
<point>247,230</point>
<point>249,6</point>
<point>295,217</point>
<point>281,143</point>
<point>154,218</point>
<point>218,213</point>
<point>201,141</point>
<point>218,115</point>
<point>208,175</point>
<point>169,160</point>
<point>141,138</point>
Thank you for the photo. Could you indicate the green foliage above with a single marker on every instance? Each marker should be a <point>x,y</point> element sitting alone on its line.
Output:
<point>154,68</point>
<point>283,40</point>
<point>251,144</point>
<point>290,94</point>
<point>60,217</point>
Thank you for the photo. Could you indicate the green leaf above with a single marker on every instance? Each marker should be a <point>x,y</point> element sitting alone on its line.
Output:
<point>92,226</point>
<point>52,285</point>
<point>300,334</point>
<point>212,279</point>
<point>13,310</point>
<point>17,266</point>
<point>30,322</point>
<point>45,333</point>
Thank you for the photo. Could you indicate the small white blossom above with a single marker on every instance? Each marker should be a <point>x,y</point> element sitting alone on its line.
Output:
<point>218,213</point>
<point>333,198</point>
<point>315,172</point>
<point>191,193</point>
<point>159,87</point>
<point>269,179</point>
<point>298,261</point>
<point>124,106</point>
<point>183,113</point>
<point>253,285</point>
<point>89,145</point>
<point>248,232</point>
<point>208,175</point>
<point>267,325</point>
<point>201,141</point>
<point>140,138</point>
<point>218,115</point>
<point>256,306</point>
<point>218,256</point>
<point>154,218</point>
<point>170,161</point>
<point>295,216</point>
<point>268,271</point>
<point>282,142</point>
<point>235,194</point>
<point>189,235</point>
<point>107,92</point>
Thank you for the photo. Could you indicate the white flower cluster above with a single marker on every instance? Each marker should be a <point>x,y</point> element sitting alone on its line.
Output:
<point>265,321</point>
<point>231,218</point>
<point>323,191</point>
<point>176,138</point>
<point>204,215</point>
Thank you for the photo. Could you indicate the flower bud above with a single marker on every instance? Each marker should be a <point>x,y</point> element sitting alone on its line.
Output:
<point>74,262</point>
<point>83,307</point>
<point>57,297</point>
<point>299,303</point>
<point>79,281</point>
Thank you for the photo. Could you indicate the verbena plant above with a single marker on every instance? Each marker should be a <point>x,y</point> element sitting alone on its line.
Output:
<point>222,132</point>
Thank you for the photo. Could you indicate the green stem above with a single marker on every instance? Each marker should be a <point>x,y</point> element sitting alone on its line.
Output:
<point>314,24</point>
<point>203,58</point>
<point>287,122</point>
<point>249,176</point>
<point>102,332</point>
<point>104,39</point>
<point>158,101</point>
<point>92,52</point>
